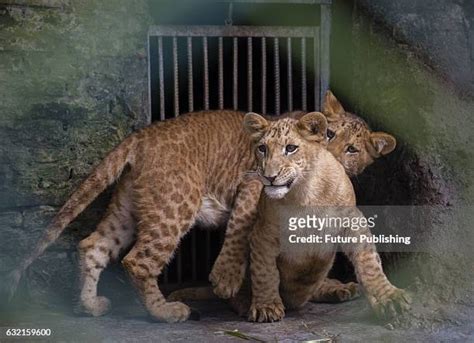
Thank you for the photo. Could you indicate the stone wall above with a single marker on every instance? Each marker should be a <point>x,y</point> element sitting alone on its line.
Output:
<point>411,74</point>
<point>440,32</point>
<point>73,84</point>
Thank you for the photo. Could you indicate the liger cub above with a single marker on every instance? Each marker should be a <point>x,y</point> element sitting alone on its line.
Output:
<point>355,146</point>
<point>297,171</point>
<point>350,139</point>
<point>169,176</point>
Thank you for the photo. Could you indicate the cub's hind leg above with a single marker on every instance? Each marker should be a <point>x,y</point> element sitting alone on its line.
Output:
<point>192,294</point>
<point>114,234</point>
<point>334,291</point>
<point>299,279</point>
<point>163,218</point>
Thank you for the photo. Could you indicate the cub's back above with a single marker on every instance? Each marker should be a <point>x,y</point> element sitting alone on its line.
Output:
<point>202,137</point>
<point>209,148</point>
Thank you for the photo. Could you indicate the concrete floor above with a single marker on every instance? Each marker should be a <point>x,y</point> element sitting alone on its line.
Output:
<point>347,322</point>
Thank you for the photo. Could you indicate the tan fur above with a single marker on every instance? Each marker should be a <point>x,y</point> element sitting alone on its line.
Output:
<point>309,176</point>
<point>349,130</point>
<point>331,290</point>
<point>177,172</point>
<point>354,145</point>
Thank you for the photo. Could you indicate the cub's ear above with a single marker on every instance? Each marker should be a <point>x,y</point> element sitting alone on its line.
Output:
<point>332,108</point>
<point>255,125</point>
<point>382,142</point>
<point>313,126</point>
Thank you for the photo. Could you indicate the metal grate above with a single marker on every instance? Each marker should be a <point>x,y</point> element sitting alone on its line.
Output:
<point>255,68</point>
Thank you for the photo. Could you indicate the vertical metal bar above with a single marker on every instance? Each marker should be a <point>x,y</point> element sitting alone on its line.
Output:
<point>161,78</point>
<point>236,74</point>
<point>221,73</point>
<point>166,275</point>
<point>264,76</point>
<point>277,75</point>
<point>317,71</point>
<point>194,255</point>
<point>149,114</point>
<point>206,73</point>
<point>249,75</point>
<point>190,76</point>
<point>325,40</point>
<point>176,76</point>
<point>303,75</point>
<point>179,265</point>
<point>290,76</point>
<point>208,251</point>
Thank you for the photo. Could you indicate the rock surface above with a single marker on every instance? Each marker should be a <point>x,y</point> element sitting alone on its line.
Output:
<point>347,322</point>
<point>74,84</point>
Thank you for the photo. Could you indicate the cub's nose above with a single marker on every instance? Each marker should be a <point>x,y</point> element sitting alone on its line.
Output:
<point>271,178</point>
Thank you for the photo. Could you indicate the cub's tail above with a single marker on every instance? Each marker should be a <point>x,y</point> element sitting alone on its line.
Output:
<point>240,304</point>
<point>192,294</point>
<point>101,177</point>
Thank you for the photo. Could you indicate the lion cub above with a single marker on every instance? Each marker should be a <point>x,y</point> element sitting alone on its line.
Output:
<point>297,170</point>
<point>355,146</point>
<point>350,139</point>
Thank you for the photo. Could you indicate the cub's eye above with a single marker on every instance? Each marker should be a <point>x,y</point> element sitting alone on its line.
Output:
<point>351,149</point>
<point>262,148</point>
<point>331,134</point>
<point>290,148</point>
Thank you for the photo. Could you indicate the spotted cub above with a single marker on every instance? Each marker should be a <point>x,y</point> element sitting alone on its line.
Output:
<point>350,139</point>
<point>355,146</point>
<point>297,172</point>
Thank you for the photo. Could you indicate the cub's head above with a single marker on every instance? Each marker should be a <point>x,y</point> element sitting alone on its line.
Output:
<point>285,149</point>
<point>350,139</point>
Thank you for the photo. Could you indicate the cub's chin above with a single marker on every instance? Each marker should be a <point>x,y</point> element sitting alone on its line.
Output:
<point>276,192</point>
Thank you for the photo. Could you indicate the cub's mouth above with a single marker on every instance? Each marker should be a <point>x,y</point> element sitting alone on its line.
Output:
<point>278,191</point>
<point>288,184</point>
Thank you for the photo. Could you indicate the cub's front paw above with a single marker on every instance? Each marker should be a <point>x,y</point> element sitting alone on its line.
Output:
<point>264,313</point>
<point>389,305</point>
<point>94,306</point>
<point>227,279</point>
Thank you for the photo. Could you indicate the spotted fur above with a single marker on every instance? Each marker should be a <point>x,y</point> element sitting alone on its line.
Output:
<point>307,176</point>
<point>172,174</point>
<point>351,141</point>
<point>176,173</point>
<point>344,129</point>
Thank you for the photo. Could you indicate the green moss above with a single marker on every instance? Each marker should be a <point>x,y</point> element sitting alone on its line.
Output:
<point>397,92</point>
<point>66,93</point>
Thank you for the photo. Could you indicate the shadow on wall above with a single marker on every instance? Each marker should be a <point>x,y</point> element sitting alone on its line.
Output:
<point>398,179</point>
<point>399,90</point>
